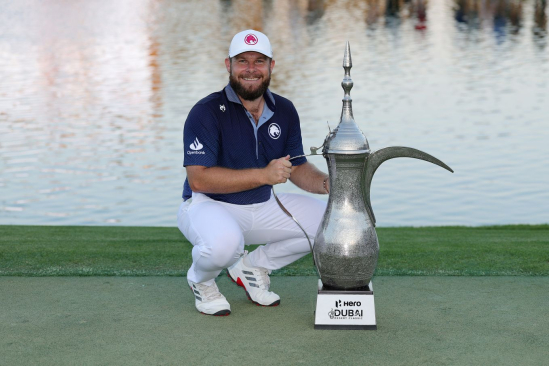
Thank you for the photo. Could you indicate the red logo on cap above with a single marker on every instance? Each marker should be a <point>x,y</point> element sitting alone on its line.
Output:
<point>250,39</point>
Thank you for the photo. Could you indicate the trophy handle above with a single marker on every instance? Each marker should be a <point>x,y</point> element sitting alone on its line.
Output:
<point>374,160</point>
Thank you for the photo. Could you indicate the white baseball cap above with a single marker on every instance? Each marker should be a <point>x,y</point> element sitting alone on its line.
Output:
<point>250,40</point>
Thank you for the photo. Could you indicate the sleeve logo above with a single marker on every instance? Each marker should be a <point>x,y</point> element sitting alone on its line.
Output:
<point>196,145</point>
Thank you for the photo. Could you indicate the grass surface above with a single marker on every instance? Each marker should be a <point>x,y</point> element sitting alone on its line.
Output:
<point>422,320</point>
<point>149,251</point>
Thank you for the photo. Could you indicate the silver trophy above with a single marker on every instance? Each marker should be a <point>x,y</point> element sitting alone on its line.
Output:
<point>346,245</point>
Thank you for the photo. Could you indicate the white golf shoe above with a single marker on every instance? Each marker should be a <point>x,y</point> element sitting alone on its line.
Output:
<point>208,299</point>
<point>255,281</point>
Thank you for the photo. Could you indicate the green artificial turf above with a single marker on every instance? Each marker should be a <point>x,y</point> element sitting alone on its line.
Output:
<point>153,251</point>
<point>421,320</point>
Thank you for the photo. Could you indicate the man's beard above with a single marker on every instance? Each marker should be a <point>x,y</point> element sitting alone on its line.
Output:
<point>249,94</point>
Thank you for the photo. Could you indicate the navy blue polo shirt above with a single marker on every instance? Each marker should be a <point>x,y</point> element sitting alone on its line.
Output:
<point>219,131</point>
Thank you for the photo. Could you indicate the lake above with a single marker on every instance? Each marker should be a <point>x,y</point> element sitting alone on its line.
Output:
<point>94,96</point>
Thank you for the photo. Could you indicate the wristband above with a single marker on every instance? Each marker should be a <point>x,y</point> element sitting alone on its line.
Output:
<point>324,185</point>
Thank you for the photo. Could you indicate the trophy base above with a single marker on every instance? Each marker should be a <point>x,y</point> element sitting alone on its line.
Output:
<point>344,309</point>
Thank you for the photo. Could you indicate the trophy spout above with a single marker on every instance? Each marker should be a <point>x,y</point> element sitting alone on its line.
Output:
<point>374,160</point>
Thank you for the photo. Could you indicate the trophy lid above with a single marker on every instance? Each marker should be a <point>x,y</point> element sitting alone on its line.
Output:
<point>347,138</point>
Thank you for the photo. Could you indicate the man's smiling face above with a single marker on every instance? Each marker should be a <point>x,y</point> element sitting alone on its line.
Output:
<point>249,74</point>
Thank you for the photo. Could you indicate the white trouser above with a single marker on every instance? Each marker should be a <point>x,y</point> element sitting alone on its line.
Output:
<point>219,230</point>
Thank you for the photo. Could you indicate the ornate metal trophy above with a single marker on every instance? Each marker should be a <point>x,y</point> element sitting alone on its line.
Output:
<point>346,245</point>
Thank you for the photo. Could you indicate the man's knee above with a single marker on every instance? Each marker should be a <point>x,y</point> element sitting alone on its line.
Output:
<point>227,249</point>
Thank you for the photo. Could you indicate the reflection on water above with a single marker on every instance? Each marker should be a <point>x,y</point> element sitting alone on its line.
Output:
<point>505,17</point>
<point>93,97</point>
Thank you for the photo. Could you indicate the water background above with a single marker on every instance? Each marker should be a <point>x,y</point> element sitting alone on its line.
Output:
<point>94,95</point>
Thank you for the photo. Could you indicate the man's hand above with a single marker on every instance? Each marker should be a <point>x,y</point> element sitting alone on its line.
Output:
<point>278,170</point>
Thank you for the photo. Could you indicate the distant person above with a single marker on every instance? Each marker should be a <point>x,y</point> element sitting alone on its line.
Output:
<point>237,145</point>
<point>540,19</point>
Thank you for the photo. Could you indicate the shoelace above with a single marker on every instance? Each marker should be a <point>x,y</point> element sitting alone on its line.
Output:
<point>209,292</point>
<point>263,279</point>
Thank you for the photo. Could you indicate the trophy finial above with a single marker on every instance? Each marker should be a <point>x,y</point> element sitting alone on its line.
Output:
<point>347,137</point>
<point>347,83</point>
<point>347,62</point>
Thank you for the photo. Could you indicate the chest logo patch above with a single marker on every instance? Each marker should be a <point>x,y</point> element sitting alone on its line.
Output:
<point>196,145</point>
<point>222,107</point>
<point>274,131</point>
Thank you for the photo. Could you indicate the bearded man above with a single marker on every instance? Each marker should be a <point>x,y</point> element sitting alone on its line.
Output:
<point>238,143</point>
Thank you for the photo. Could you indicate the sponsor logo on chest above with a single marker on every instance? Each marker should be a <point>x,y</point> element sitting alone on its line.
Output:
<point>274,131</point>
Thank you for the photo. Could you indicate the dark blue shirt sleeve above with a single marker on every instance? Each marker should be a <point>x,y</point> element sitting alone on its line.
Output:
<point>201,137</point>
<point>294,144</point>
